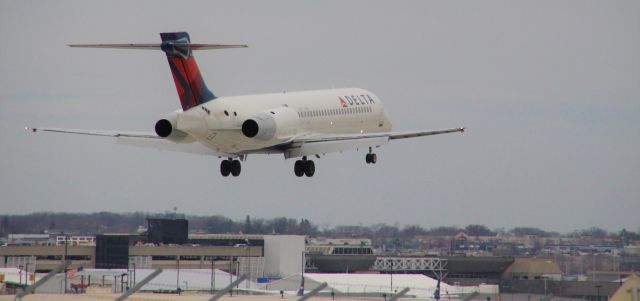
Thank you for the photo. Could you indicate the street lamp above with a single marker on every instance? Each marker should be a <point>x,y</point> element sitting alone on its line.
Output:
<point>391,289</point>
<point>248,247</point>
<point>20,273</point>
<point>213,275</point>
<point>301,291</point>
<point>302,264</point>
<point>134,274</point>
<point>26,274</point>
<point>65,259</point>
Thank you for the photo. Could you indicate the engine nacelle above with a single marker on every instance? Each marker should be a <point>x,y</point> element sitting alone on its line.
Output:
<point>166,128</point>
<point>279,123</point>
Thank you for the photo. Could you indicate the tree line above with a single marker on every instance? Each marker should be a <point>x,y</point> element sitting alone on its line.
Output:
<point>109,222</point>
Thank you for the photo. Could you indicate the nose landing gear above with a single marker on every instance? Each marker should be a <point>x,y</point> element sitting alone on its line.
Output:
<point>371,157</point>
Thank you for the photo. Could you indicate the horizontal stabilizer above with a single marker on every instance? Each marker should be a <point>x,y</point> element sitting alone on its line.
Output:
<point>157,46</point>
<point>138,139</point>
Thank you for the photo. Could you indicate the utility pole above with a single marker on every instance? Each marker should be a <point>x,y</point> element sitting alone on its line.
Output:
<point>213,275</point>
<point>178,273</point>
<point>248,261</point>
<point>391,290</point>
<point>230,276</point>
<point>26,273</point>
<point>65,259</point>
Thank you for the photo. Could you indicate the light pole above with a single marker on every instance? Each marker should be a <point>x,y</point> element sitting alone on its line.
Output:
<point>20,273</point>
<point>178,274</point>
<point>26,274</point>
<point>301,290</point>
<point>213,275</point>
<point>230,275</point>
<point>248,246</point>
<point>391,289</point>
<point>65,259</point>
<point>598,292</point>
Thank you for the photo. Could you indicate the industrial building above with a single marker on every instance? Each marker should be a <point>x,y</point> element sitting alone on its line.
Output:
<point>166,244</point>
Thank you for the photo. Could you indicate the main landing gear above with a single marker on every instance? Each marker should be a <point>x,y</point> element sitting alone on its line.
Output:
<point>371,157</point>
<point>230,166</point>
<point>304,167</point>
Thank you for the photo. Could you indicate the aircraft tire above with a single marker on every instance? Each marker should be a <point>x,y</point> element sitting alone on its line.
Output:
<point>367,158</point>
<point>298,168</point>
<point>236,168</point>
<point>225,168</point>
<point>309,168</point>
<point>373,158</point>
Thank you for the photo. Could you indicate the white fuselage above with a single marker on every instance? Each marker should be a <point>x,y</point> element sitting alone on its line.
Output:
<point>218,123</point>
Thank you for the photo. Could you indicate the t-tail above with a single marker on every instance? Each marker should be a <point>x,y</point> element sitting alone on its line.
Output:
<point>191,88</point>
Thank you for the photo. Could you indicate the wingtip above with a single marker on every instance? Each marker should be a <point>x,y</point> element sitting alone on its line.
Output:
<point>30,129</point>
<point>462,129</point>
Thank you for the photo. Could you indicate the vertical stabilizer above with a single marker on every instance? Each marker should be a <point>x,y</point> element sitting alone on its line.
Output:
<point>191,87</point>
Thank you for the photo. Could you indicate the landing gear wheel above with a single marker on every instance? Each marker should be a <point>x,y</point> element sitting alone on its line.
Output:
<point>371,158</point>
<point>235,168</point>
<point>225,168</point>
<point>298,168</point>
<point>309,168</point>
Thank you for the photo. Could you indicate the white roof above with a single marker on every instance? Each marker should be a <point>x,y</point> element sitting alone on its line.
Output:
<point>190,279</point>
<point>420,285</point>
<point>14,275</point>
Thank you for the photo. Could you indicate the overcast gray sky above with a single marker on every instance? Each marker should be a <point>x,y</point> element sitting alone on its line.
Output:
<point>550,92</point>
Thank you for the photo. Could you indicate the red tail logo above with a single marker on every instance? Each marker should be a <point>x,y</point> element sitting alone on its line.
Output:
<point>191,87</point>
<point>342,102</point>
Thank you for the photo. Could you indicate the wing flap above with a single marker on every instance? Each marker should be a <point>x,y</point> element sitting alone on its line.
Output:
<point>165,145</point>
<point>328,144</point>
<point>322,144</point>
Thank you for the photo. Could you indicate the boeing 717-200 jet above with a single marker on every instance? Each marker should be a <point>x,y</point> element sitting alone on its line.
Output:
<point>296,124</point>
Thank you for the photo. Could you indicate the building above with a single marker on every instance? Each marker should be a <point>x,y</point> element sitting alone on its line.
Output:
<point>339,255</point>
<point>167,245</point>
<point>532,268</point>
<point>28,239</point>
<point>629,290</point>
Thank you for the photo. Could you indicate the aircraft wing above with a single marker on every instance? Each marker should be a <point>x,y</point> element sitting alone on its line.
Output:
<point>139,139</point>
<point>321,144</point>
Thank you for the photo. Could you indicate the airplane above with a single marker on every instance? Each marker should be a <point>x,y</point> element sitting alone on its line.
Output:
<point>298,125</point>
